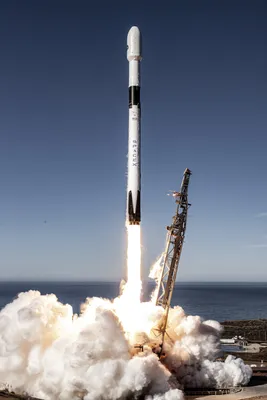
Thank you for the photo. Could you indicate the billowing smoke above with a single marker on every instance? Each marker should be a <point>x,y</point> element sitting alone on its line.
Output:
<point>49,353</point>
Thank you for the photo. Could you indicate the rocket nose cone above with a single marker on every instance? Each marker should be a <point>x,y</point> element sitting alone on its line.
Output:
<point>134,44</point>
<point>134,31</point>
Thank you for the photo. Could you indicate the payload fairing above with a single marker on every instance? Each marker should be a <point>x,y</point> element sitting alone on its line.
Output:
<point>134,56</point>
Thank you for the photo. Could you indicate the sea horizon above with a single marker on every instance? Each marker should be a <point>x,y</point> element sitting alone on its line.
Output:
<point>122,279</point>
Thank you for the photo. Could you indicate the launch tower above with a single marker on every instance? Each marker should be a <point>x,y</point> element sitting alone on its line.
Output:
<point>173,249</point>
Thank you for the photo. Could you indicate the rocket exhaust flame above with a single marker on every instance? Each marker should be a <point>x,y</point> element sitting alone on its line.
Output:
<point>134,261</point>
<point>131,295</point>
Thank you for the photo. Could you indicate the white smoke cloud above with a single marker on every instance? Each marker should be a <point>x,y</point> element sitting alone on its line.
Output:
<point>156,268</point>
<point>48,352</point>
<point>191,355</point>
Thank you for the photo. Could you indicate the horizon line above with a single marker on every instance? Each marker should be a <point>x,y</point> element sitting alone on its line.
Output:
<point>117,281</point>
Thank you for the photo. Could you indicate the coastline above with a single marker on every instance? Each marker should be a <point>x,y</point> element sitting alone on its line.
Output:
<point>254,333</point>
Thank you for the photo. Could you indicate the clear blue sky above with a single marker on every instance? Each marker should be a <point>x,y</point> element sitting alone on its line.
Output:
<point>63,135</point>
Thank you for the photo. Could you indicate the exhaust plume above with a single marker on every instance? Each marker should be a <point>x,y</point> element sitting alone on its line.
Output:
<point>48,352</point>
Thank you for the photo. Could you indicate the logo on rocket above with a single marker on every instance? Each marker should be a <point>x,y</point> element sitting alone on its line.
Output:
<point>134,56</point>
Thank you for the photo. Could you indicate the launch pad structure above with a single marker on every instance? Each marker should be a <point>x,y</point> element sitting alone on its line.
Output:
<point>173,250</point>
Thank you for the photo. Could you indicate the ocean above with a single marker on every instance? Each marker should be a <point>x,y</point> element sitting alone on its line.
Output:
<point>218,301</point>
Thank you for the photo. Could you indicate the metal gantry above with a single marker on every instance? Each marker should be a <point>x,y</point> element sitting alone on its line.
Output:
<point>173,249</point>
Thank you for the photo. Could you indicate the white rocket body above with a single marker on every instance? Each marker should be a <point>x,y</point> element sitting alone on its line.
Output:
<point>134,172</point>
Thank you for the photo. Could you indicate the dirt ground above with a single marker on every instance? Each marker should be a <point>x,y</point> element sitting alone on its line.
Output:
<point>239,396</point>
<point>4,394</point>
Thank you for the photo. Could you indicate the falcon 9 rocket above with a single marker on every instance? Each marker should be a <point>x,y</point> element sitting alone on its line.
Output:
<point>134,56</point>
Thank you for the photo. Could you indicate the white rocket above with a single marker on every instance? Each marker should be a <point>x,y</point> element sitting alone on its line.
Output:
<point>134,172</point>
